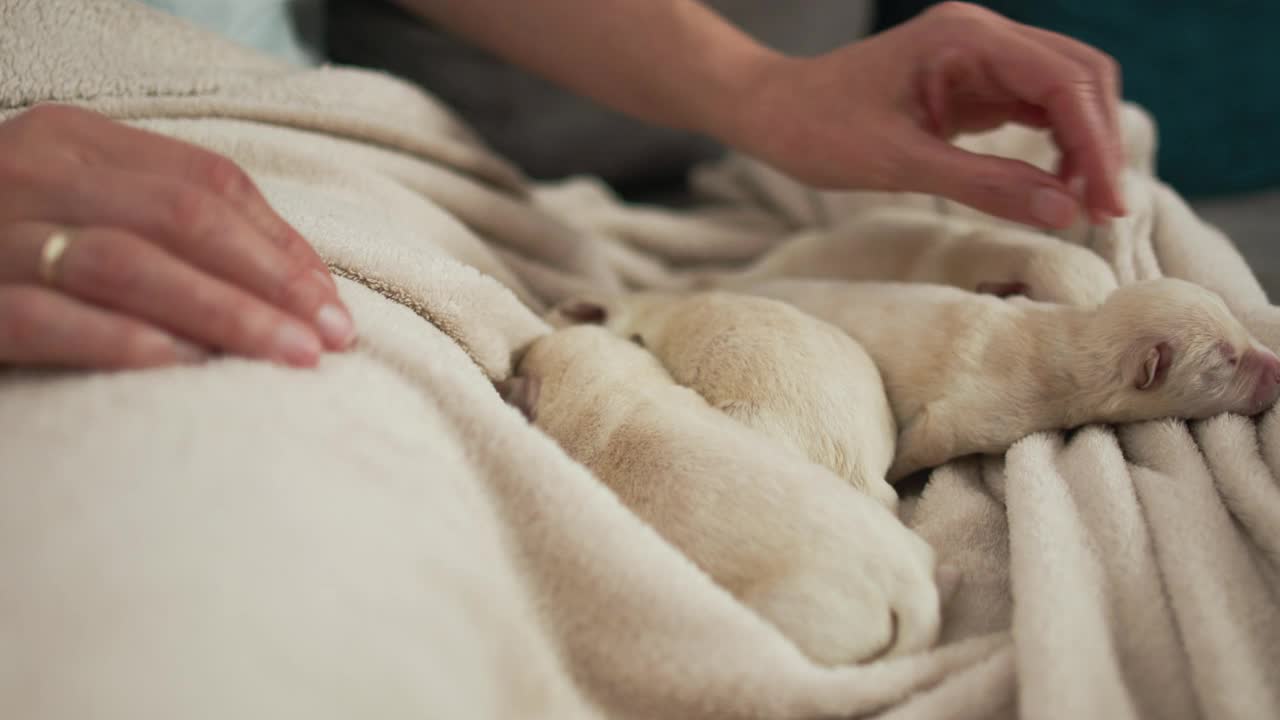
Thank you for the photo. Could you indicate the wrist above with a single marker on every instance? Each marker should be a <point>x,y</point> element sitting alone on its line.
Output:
<point>725,105</point>
<point>756,109</point>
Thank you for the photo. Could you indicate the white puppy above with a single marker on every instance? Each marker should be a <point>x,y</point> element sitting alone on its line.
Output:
<point>788,375</point>
<point>835,571</point>
<point>900,244</point>
<point>969,373</point>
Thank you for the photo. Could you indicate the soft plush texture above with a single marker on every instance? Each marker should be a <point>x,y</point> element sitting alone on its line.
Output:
<point>384,537</point>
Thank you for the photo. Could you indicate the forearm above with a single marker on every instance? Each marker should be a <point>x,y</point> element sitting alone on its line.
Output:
<point>669,62</point>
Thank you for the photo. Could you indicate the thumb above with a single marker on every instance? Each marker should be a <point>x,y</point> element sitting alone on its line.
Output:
<point>1011,189</point>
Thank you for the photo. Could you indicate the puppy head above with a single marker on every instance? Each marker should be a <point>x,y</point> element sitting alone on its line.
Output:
<point>1183,354</point>
<point>576,354</point>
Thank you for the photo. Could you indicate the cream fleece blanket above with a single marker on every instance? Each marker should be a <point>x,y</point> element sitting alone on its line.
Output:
<point>385,538</point>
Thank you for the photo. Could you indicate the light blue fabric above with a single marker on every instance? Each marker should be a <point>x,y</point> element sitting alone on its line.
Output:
<point>290,29</point>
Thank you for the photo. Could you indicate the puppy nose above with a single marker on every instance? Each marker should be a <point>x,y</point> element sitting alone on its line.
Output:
<point>1264,368</point>
<point>1269,367</point>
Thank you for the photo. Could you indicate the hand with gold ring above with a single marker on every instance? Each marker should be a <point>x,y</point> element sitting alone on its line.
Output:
<point>121,248</point>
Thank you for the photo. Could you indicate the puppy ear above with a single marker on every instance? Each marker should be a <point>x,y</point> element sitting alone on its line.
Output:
<point>1155,366</point>
<point>1002,289</point>
<point>584,312</point>
<point>521,392</point>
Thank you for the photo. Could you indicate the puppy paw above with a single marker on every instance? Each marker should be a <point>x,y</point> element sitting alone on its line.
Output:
<point>872,598</point>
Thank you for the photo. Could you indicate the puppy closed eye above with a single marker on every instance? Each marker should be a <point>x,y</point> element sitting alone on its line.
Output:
<point>1229,354</point>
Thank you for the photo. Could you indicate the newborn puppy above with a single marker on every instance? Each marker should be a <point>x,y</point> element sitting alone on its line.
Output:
<point>832,569</point>
<point>970,373</point>
<point>912,245</point>
<point>783,372</point>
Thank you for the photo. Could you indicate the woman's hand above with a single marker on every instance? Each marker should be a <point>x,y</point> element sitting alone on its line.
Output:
<point>120,248</point>
<point>874,115</point>
<point>877,115</point>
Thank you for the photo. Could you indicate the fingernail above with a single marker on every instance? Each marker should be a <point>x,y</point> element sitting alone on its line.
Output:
<point>188,353</point>
<point>296,345</point>
<point>336,326</point>
<point>1052,208</point>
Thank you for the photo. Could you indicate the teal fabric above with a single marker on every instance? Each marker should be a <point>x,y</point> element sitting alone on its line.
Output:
<point>289,29</point>
<point>1208,71</point>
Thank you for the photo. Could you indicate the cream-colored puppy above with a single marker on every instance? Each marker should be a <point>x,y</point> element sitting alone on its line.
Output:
<point>900,244</point>
<point>834,570</point>
<point>785,373</point>
<point>970,373</point>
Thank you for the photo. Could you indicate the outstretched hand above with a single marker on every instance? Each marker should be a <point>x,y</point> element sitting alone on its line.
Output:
<point>878,115</point>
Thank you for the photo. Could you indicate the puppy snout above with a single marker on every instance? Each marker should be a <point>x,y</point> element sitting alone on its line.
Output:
<point>1265,368</point>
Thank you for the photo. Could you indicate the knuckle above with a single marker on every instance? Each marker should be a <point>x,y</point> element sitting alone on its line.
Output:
<point>955,10</point>
<point>223,176</point>
<point>1073,85</point>
<point>233,322</point>
<point>189,210</point>
<point>992,189</point>
<point>250,328</point>
<point>106,265</point>
<point>138,345</point>
<point>298,287</point>
<point>291,241</point>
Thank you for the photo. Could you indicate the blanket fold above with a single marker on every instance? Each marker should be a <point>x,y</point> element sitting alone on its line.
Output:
<point>383,537</point>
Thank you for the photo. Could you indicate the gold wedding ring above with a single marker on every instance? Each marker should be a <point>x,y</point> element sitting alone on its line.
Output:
<point>51,256</point>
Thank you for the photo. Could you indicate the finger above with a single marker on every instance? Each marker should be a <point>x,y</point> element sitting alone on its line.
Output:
<point>1003,187</point>
<point>1069,172</point>
<point>960,97</point>
<point>204,231</point>
<point>39,326</point>
<point>121,272</point>
<point>115,145</point>
<point>1068,92</point>
<point>1105,70</point>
